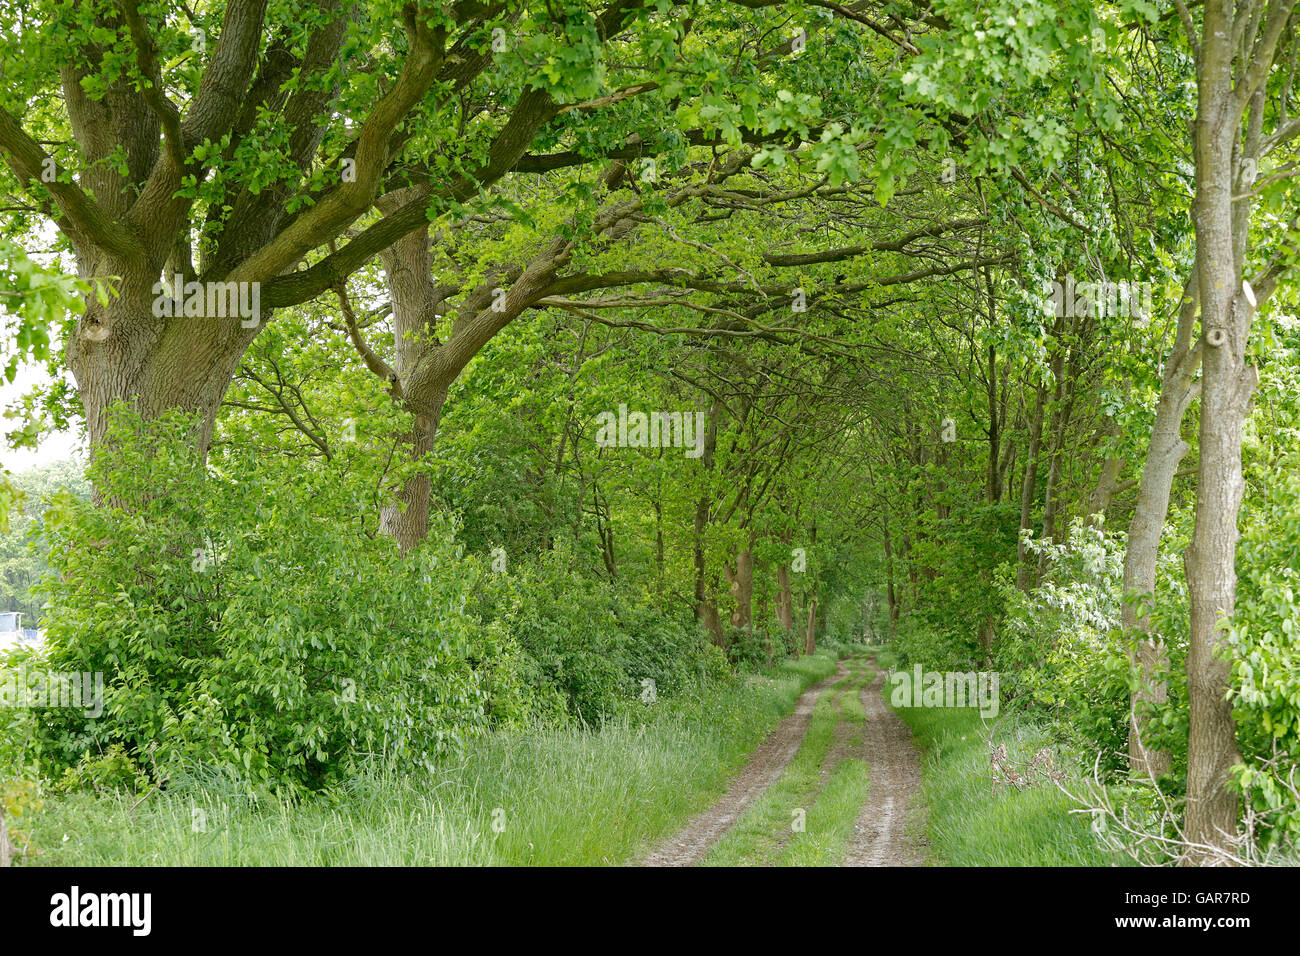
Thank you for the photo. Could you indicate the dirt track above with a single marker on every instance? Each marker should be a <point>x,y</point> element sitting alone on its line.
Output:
<point>887,831</point>
<point>765,764</point>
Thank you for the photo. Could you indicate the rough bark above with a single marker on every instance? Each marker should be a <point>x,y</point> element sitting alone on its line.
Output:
<point>741,578</point>
<point>784,598</point>
<point>1164,452</point>
<point>406,518</point>
<point>810,637</point>
<point>1104,490</point>
<point>1227,385</point>
<point>121,352</point>
<point>419,382</point>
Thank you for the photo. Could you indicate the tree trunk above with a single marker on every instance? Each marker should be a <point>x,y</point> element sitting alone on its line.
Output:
<point>418,381</point>
<point>424,367</point>
<point>406,519</point>
<point>1164,452</point>
<point>784,598</point>
<point>122,351</point>
<point>1024,571</point>
<point>1102,492</point>
<point>1227,386</point>
<point>741,578</point>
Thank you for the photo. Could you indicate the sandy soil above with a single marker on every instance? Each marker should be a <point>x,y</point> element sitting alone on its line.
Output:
<point>888,831</point>
<point>765,765</point>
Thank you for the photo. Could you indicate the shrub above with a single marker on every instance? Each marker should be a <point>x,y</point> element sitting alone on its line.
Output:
<point>589,642</point>
<point>1063,653</point>
<point>238,622</point>
<point>1263,642</point>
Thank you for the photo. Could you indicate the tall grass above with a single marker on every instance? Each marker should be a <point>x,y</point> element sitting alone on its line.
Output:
<point>528,797</point>
<point>973,821</point>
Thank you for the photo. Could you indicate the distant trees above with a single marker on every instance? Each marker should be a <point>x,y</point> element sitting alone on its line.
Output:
<point>21,566</point>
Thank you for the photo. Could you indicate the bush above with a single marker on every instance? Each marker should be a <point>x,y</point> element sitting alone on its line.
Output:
<point>958,593</point>
<point>237,622</point>
<point>16,756</point>
<point>915,642</point>
<point>750,648</point>
<point>1263,642</point>
<point>1063,654</point>
<point>592,644</point>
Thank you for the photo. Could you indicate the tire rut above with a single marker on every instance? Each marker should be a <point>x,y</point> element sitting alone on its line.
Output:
<point>884,834</point>
<point>765,765</point>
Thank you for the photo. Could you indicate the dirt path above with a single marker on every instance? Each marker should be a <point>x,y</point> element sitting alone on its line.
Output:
<point>690,845</point>
<point>887,832</point>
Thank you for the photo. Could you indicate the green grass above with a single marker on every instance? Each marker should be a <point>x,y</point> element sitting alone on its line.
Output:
<point>830,820</point>
<point>765,833</point>
<point>540,796</point>
<point>971,822</point>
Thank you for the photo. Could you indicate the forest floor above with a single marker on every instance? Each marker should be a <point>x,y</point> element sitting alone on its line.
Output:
<point>837,783</point>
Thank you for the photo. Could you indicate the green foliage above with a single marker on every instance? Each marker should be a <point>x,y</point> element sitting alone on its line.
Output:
<point>915,643</point>
<point>236,623</point>
<point>677,168</point>
<point>589,644</point>
<point>1064,657</point>
<point>1263,643</point>
<point>960,594</point>
<point>17,756</point>
<point>570,796</point>
<point>22,561</point>
<point>33,298</point>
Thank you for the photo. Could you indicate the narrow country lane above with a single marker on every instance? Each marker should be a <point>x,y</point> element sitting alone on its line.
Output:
<point>889,830</point>
<point>765,765</point>
<point>884,829</point>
